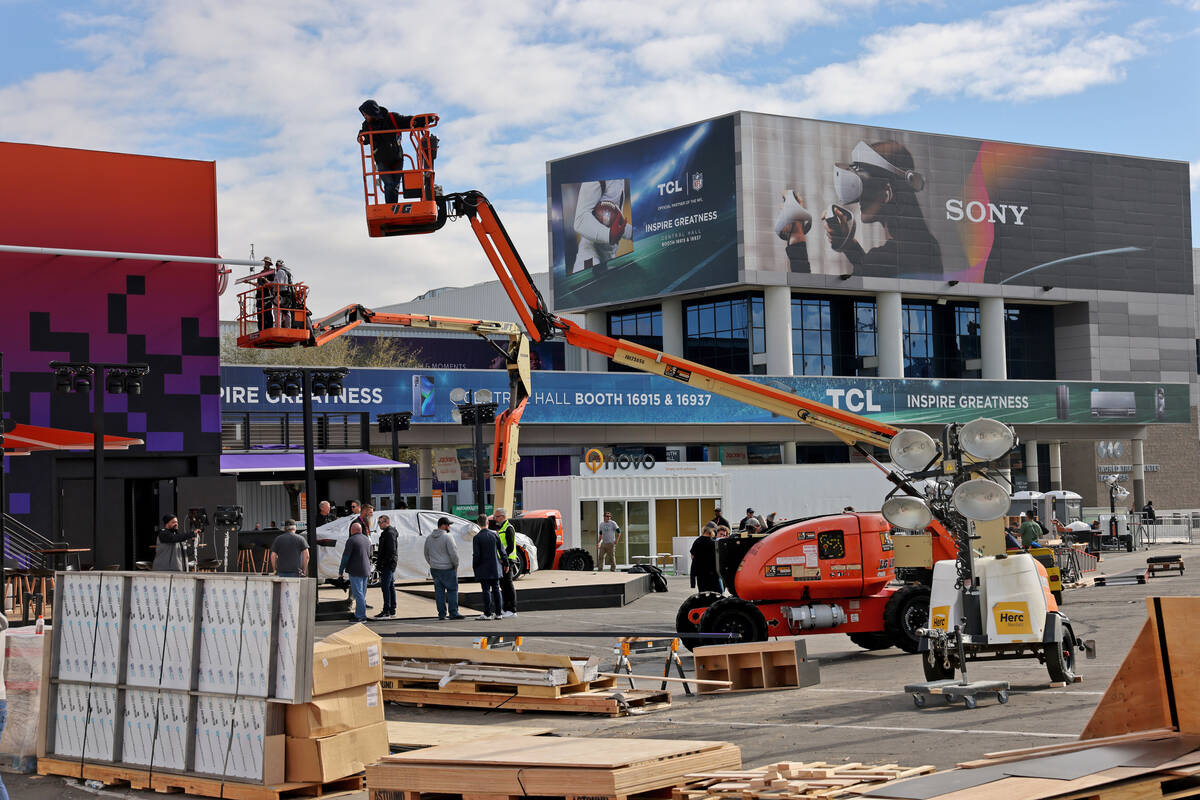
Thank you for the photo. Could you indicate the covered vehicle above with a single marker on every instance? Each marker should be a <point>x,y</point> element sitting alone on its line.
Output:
<point>412,526</point>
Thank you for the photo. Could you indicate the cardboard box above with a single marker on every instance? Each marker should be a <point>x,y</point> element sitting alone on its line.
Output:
<point>328,714</point>
<point>337,756</point>
<point>350,657</point>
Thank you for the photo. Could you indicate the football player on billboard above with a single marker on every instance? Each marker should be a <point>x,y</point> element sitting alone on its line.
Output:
<point>600,222</point>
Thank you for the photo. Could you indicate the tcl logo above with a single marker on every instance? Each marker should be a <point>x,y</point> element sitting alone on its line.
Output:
<point>976,211</point>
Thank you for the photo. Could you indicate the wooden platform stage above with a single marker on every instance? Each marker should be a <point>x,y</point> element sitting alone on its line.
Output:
<point>547,590</point>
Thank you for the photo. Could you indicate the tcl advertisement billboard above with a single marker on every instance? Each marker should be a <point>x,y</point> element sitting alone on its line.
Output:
<point>644,218</point>
<point>826,198</point>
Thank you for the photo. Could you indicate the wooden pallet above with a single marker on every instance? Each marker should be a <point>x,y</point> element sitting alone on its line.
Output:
<point>385,794</point>
<point>480,687</point>
<point>613,702</point>
<point>791,779</point>
<point>164,782</point>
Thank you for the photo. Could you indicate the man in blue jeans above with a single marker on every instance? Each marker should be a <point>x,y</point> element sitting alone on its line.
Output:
<point>442,557</point>
<point>356,560</point>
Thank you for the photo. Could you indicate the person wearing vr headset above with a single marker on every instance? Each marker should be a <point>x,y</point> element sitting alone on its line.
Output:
<point>883,180</point>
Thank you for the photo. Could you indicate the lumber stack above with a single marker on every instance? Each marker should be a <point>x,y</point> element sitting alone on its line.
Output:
<point>792,779</point>
<point>467,677</point>
<point>548,767</point>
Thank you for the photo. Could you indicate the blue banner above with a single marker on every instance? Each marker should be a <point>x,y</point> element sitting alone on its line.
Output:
<point>634,398</point>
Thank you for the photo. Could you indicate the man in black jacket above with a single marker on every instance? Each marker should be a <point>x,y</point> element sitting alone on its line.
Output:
<point>356,559</point>
<point>385,147</point>
<point>385,561</point>
<point>169,554</point>
<point>704,562</point>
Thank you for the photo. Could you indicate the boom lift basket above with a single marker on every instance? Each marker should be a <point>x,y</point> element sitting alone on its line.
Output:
<point>416,210</point>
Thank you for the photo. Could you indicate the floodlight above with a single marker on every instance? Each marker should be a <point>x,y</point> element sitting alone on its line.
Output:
<point>986,439</point>
<point>907,513</point>
<point>133,383</point>
<point>482,396</point>
<point>334,386</point>
<point>385,423</point>
<point>458,395</point>
<point>64,380</point>
<point>912,450</point>
<point>1120,492</point>
<point>291,385</point>
<point>114,382</point>
<point>486,412</point>
<point>981,500</point>
<point>318,385</point>
<point>274,386</point>
<point>456,415</point>
<point>83,380</point>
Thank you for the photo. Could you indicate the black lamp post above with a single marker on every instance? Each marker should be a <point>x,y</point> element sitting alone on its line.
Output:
<point>474,408</point>
<point>99,378</point>
<point>393,423</point>
<point>307,382</point>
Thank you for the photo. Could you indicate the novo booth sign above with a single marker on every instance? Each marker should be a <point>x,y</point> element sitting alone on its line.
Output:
<point>632,398</point>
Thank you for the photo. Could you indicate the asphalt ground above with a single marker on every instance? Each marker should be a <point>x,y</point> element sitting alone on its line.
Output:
<point>859,712</point>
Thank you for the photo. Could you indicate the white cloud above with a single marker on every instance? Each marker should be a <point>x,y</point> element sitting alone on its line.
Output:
<point>269,89</point>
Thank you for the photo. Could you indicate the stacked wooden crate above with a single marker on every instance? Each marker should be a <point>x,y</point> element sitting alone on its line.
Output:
<point>775,664</point>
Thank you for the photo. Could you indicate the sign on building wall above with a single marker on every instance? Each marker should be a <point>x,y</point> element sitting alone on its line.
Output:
<point>891,203</point>
<point>644,218</point>
<point>631,398</point>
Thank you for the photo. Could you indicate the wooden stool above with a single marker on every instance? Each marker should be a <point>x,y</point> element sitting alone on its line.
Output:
<point>14,584</point>
<point>245,561</point>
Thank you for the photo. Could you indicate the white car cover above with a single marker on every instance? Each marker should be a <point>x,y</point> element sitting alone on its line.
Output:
<point>412,527</point>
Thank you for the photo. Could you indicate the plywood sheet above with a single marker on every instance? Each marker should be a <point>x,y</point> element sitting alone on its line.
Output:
<point>536,751</point>
<point>1179,615</point>
<point>1136,699</point>
<point>430,734</point>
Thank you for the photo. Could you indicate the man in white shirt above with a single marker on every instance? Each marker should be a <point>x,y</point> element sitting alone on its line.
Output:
<point>607,536</point>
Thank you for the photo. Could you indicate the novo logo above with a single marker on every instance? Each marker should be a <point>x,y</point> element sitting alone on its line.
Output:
<point>976,211</point>
<point>595,461</point>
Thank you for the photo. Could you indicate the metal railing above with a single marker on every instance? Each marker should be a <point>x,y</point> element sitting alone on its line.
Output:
<point>21,544</point>
<point>268,430</point>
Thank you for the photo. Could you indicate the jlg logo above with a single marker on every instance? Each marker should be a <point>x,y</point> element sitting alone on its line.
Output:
<point>1012,618</point>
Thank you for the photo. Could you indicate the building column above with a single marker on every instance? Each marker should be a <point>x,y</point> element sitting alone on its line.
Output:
<point>424,472</point>
<point>789,452</point>
<point>991,339</point>
<point>1139,473</point>
<point>777,306</point>
<point>889,336</point>
<point>672,326</point>
<point>1031,465</point>
<point>1056,483</point>
<point>597,322</point>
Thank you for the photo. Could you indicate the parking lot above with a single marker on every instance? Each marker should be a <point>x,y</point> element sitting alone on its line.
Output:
<point>859,711</point>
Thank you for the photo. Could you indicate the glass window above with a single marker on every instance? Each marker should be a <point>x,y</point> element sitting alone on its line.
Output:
<point>726,333</point>
<point>1029,341</point>
<point>812,336</point>
<point>640,325</point>
<point>918,340</point>
<point>966,343</point>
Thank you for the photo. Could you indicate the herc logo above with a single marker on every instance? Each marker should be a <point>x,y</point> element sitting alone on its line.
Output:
<point>1012,618</point>
<point>939,618</point>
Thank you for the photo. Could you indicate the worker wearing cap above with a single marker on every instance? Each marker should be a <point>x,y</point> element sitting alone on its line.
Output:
<point>508,540</point>
<point>746,520</point>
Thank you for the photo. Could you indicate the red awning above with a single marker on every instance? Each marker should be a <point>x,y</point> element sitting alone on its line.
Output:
<point>28,438</point>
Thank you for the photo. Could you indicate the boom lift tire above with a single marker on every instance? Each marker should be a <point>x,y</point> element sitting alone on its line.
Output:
<point>871,641</point>
<point>683,622</point>
<point>1060,657</point>
<point>576,559</point>
<point>737,616</point>
<point>906,612</point>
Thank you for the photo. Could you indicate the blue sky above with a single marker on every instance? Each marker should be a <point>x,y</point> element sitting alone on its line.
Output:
<point>270,89</point>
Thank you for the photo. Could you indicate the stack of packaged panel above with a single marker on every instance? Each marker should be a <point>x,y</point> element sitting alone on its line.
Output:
<point>176,673</point>
<point>342,729</point>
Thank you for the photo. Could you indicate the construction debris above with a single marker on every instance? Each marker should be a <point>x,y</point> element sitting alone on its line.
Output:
<point>792,779</point>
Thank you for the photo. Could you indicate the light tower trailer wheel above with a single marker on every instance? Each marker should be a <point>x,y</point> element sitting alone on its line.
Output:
<point>954,690</point>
